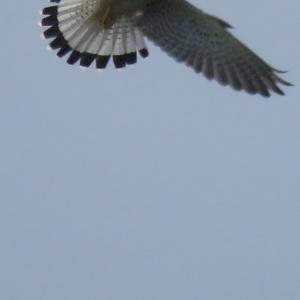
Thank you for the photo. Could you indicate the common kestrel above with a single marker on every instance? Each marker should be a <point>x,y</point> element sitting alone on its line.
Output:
<point>95,30</point>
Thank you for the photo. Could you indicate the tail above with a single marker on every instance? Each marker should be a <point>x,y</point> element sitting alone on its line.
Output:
<point>75,32</point>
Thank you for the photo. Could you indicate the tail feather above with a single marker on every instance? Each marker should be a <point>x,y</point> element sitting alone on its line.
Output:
<point>74,29</point>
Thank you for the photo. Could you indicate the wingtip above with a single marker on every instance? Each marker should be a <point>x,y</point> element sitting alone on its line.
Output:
<point>282,81</point>
<point>279,79</point>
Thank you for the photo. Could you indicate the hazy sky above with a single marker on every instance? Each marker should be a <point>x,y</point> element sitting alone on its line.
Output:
<point>151,183</point>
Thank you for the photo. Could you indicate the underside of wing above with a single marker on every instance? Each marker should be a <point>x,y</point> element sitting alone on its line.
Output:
<point>204,43</point>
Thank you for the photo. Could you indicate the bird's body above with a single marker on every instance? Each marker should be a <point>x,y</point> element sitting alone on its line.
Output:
<point>109,11</point>
<point>95,30</point>
<point>125,7</point>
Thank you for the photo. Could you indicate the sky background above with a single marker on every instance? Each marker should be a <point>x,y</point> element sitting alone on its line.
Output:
<point>151,183</point>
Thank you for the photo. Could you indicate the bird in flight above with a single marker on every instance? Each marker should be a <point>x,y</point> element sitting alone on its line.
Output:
<point>97,30</point>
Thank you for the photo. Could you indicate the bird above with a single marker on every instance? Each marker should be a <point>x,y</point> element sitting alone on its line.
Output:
<point>97,31</point>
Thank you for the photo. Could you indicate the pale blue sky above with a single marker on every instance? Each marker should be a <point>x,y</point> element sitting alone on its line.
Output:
<point>151,183</point>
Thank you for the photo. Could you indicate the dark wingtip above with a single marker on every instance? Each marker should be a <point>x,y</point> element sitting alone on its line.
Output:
<point>279,91</point>
<point>221,22</point>
<point>280,80</point>
<point>286,83</point>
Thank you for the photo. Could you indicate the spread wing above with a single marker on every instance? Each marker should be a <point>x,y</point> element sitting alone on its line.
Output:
<point>204,43</point>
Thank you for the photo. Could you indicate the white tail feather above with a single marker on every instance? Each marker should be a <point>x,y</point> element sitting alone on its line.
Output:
<point>75,28</point>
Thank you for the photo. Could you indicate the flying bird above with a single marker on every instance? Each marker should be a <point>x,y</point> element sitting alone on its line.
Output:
<point>97,30</point>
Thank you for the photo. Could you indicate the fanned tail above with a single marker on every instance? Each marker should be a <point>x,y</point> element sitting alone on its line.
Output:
<point>76,31</point>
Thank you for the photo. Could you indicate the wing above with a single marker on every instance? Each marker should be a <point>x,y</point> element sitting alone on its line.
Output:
<point>204,43</point>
